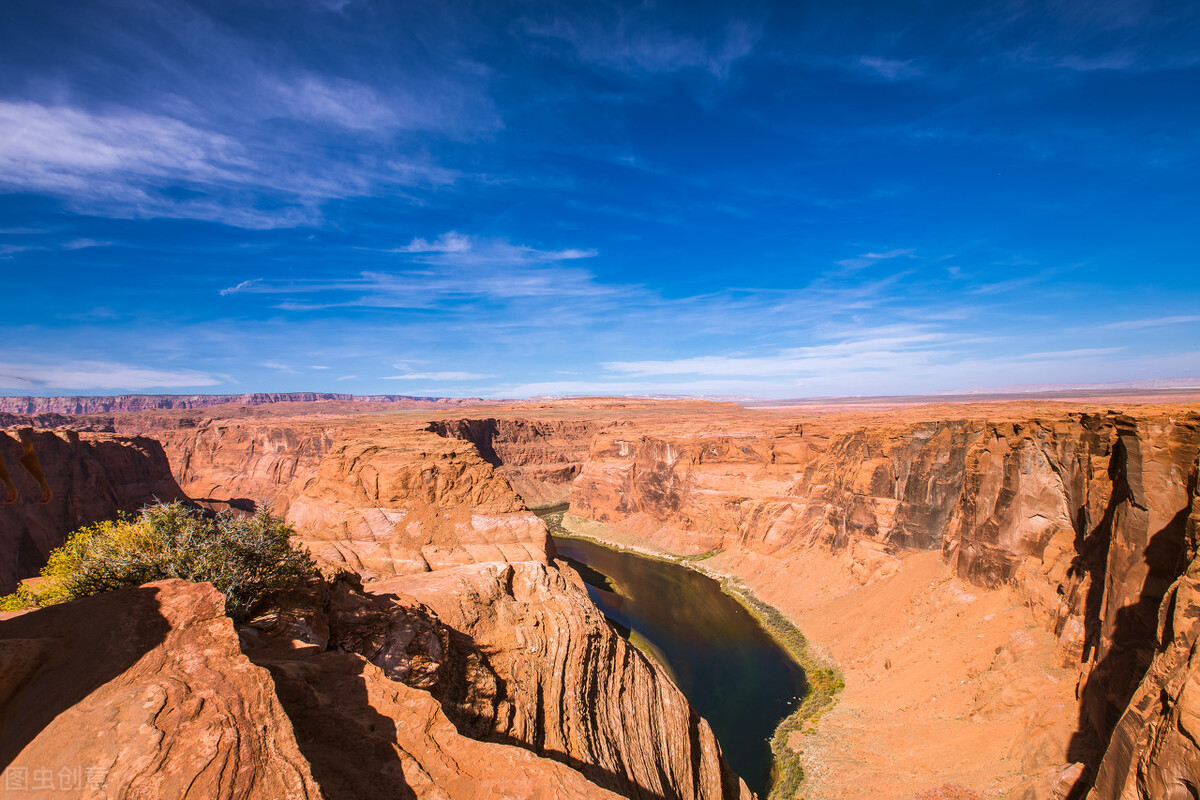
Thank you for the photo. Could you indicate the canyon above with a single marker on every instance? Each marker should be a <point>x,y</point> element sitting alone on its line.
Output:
<point>1009,590</point>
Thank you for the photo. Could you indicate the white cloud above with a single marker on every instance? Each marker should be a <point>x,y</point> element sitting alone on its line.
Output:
<point>345,103</point>
<point>451,270</point>
<point>1153,322</point>
<point>240,287</point>
<point>9,250</point>
<point>88,375</point>
<point>130,164</point>
<point>870,259</point>
<point>278,367</point>
<point>454,248</point>
<point>437,376</point>
<point>63,149</point>
<point>891,349</point>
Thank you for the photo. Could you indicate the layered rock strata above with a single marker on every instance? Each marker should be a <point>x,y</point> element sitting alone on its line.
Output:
<point>386,701</point>
<point>573,690</point>
<point>142,693</point>
<point>386,698</point>
<point>1028,552</point>
<point>538,458</point>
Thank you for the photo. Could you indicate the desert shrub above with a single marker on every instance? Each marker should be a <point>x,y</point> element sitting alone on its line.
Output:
<point>248,559</point>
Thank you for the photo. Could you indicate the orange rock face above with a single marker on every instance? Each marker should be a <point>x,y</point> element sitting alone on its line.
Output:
<point>142,693</point>
<point>93,476</point>
<point>573,690</point>
<point>1079,517</point>
<point>385,698</point>
<point>1005,587</point>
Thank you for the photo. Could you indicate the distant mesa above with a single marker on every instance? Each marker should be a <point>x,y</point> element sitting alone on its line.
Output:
<point>147,402</point>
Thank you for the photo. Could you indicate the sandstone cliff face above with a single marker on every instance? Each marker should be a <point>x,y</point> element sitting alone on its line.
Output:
<point>142,693</point>
<point>516,655</point>
<point>93,476</point>
<point>538,458</point>
<point>569,687</point>
<point>1084,516</point>
<point>387,701</point>
<point>410,502</point>
<point>1154,750</point>
<point>248,463</point>
<point>383,500</point>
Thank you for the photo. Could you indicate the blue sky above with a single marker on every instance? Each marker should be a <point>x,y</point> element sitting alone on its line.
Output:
<point>515,199</point>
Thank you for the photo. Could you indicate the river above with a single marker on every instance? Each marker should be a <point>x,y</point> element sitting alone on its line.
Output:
<point>736,676</point>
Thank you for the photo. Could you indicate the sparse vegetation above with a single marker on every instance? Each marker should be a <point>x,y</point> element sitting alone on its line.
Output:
<point>248,559</point>
<point>824,681</point>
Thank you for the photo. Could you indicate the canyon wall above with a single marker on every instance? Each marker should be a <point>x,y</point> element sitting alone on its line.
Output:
<point>1084,517</point>
<point>382,500</point>
<point>1025,574</point>
<point>517,686</point>
<point>574,690</point>
<point>93,477</point>
<point>538,458</point>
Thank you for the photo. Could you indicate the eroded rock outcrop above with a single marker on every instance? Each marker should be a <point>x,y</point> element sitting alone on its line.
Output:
<point>538,458</point>
<point>387,701</point>
<point>571,689</point>
<point>142,693</point>
<point>1154,750</point>
<point>411,502</point>
<point>382,500</point>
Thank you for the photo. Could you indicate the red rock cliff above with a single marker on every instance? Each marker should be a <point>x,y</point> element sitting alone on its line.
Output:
<point>93,477</point>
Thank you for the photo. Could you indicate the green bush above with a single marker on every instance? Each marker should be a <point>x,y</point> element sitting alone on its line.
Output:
<point>248,559</point>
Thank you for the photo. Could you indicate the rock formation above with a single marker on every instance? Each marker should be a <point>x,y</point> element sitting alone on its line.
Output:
<point>1006,587</point>
<point>142,693</point>
<point>126,403</point>
<point>573,690</point>
<point>383,696</point>
<point>538,458</point>
<point>1153,750</point>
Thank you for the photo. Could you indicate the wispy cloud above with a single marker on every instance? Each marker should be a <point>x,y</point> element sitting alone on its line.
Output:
<point>121,162</point>
<point>240,287</point>
<point>90,375</point>
<point>450,268</point>
<point>8,250</point>
<point>452,248</point>
<point>278,367</point>
<point>870,259</point>
<point>890,348</point>
<point>438,376</point>
<point>890,69</point>
<point>1153,322</point>
<point>631,42</point>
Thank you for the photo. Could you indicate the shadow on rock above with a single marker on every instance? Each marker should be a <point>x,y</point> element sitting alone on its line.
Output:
<point>53,658</point>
